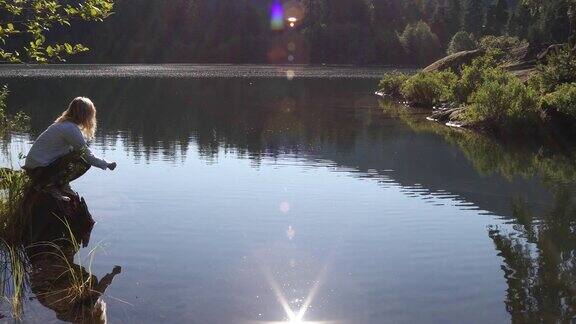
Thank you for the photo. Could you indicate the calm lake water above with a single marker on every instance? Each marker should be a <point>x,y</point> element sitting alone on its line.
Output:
<point>244,199</point>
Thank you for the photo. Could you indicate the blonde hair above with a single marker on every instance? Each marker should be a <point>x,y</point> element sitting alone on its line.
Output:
<point>82,112</point>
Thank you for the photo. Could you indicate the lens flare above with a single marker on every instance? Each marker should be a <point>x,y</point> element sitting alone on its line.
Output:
<point>290,233</point>
<point>277,16</point>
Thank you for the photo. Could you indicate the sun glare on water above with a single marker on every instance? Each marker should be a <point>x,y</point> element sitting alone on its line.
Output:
<point>295,317</point>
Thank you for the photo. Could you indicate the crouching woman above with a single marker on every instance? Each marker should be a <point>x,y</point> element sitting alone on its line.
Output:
<point>60,154</point>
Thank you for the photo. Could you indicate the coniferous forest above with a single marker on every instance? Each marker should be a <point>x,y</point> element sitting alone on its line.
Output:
<point>365,32</point>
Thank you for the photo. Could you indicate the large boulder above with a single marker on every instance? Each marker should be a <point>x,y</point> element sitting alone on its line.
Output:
<point>454,61</point>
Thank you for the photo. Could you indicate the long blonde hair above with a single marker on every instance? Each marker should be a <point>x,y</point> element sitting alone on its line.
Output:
<point>82,112</point>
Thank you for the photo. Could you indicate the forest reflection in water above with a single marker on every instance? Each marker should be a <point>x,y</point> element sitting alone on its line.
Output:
<point>531,187</point>
<point>538,249</point>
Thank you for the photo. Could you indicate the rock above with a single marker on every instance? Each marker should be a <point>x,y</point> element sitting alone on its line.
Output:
<point>47,218</point>
<point>454,61</point>
<point>447,115</point>
<point>542,56</point>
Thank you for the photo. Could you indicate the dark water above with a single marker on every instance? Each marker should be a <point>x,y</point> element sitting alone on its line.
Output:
<point>244,200</point>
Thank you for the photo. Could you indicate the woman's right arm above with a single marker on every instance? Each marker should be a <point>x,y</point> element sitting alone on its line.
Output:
<point>74,137</point>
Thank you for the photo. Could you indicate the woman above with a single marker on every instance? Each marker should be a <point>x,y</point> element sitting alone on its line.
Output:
<point>60,154</point>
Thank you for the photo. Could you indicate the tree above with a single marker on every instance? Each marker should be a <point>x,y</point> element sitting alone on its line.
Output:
<point>454,13</point>
<point>462,41</point>
<point>420,42</point>
<point>473,16</point>
<point>519,19</point>
<point>558,16</point>
<point>497,17</point>
<point>439,24</point>
<point>25,24</point>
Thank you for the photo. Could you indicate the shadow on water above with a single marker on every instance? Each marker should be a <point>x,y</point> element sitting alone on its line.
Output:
<point>530,187</point>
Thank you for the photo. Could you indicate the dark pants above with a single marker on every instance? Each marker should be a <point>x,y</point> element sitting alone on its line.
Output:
<point>60,172</point>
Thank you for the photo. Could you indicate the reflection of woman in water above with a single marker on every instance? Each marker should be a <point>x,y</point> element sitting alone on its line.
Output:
<point>57,281</point>
<point>67,288</point>
<point>60,153</point>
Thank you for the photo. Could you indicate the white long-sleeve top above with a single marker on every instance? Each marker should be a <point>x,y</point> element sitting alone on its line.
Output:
<point>56,141</point>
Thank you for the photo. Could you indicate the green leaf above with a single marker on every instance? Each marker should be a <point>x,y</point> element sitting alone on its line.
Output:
<point>69,48</point>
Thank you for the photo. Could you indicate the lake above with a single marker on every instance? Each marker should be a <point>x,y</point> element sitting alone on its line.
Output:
<point>264,197</point>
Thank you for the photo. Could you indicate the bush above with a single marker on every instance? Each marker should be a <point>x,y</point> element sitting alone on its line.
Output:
<point>392,82</point>
<point>503,99</point>
<point>563,99</point>
<point>429,89</point>
<point>420,42</point>
<point>473,75</point>
<point>560,68</point>
<point>461,41</point>
<point>507,45</point>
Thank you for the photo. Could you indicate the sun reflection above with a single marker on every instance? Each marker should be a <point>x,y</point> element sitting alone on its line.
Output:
<point>295,317</point>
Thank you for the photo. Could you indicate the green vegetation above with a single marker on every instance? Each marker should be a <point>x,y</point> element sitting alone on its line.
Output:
<point>559,68</point>
<point>12,187</point>
<point>461,41</point>
<point>12,252</point>
<point>17,123</point>
<point>472,76</point>
<point>501,98</point>
<point>493,97</point>
<point>392,82</point>
<point>420,42</point>
<point>26,24</point>
<point>429,89</point>
<point>563,99</point>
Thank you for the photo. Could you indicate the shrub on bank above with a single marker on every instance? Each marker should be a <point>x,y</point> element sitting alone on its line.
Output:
<point>473,75</point>
<point>392,82</point>
<point>461,41</point>
<point>563,99</point>
<point>429,89</point>
<point>560,68</point>
<point>507,45</point>
<point>502,98</point>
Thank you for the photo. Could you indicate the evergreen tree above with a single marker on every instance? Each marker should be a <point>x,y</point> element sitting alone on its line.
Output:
<point>473,16</point>
<point>454,16</point>
<point>554,21</point>
<point>420,42</point>
<point>519,20</point>
<point>439,24</point>
<point>497,17</point>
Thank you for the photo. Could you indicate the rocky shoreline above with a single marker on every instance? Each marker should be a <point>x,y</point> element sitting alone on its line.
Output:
<point>522,63</point>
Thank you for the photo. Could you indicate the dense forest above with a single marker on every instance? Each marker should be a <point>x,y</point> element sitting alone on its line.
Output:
<point>405,32</point>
